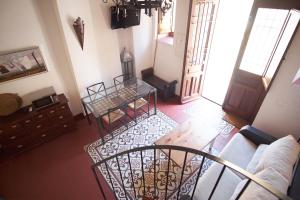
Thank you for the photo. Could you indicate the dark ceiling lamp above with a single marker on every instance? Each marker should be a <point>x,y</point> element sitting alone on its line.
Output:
<point>147,5</point>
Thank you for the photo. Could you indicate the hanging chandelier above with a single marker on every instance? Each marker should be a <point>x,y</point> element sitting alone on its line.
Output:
<point>147,5</point>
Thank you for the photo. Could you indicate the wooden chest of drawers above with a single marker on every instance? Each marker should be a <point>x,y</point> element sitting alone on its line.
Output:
<point>24,130</point>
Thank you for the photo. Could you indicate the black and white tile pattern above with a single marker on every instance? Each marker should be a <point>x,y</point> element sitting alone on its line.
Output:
<point>145,133</point>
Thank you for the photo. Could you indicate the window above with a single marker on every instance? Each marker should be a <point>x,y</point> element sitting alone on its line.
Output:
<point>263,37</point>
<point>280,48</point>
<point>166,23</point>
<point>270,35</point>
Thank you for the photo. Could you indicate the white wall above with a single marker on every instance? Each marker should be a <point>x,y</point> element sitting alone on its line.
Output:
<point>144,43</point>
<point>100,58</point>
<point>26,23</point>
<point>20,28</point>
<point>279,114</point>
<point>48,17</point>
<point>108,41</point>
<point>169,58</point>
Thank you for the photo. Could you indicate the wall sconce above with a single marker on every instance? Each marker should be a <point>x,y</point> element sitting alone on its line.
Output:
<point>78,25</point>
<point>296,80</point>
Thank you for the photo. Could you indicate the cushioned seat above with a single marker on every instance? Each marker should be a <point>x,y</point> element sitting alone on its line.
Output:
<point>114,116</point>
<point>269,159</point>
<point>138,103</point>
<point>238,151</point>
<point>225,188</point>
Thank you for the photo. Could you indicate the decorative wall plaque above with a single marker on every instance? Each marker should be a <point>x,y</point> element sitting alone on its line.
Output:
<point>21,63</point>
<point>79,30</point>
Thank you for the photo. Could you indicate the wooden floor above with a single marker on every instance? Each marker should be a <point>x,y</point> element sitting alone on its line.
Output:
<point>234,120</point>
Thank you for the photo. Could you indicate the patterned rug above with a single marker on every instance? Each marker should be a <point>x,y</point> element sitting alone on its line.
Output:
<point>145,133</point>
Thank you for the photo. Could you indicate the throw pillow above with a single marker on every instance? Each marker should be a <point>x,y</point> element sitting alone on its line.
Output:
<point>255,191</point>
<point>251,167</point>
<point>280,155</point>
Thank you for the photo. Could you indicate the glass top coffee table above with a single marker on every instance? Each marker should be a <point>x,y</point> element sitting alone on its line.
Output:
<point>187,134</point>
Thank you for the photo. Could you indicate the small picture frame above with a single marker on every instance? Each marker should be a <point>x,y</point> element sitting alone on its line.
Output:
<point>21,63</point>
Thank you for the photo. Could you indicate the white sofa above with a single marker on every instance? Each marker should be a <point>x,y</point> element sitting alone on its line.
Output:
<point>240,151</point>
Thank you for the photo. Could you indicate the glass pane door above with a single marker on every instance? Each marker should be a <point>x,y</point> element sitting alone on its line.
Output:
<point>263,37</point>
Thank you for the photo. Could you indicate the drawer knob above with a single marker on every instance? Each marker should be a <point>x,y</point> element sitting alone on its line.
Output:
<point>38,126</point>
<point>27,121</point>
<point>44,135</point>
<point>65,125</point>
<point>63,107</point>
<point>14,126</point>
<point>61,117</point>
<point>1,131</point>
<point>52,111</point>
<point>19,146</point>
<point>40,116</point>
<point>13,137</point>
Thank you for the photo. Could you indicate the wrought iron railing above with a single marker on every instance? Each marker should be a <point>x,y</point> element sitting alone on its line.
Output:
<point>135,179</point>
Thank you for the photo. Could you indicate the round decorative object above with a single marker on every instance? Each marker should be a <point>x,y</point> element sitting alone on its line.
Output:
<point>9,103</point>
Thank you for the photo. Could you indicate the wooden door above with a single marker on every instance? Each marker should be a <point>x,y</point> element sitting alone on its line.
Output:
<point>199,36</point>
<point>253,75</point>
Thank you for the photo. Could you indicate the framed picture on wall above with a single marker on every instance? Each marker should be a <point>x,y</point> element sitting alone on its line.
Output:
<point>21,63</point>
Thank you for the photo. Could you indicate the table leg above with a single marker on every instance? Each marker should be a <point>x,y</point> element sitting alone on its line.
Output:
<point>155,101</point>
<point>148,104</point>
<point>86,113</point>
<point>211,144</point>
<point>100,128</point>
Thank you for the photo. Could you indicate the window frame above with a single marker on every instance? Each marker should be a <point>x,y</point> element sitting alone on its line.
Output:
<point>171,31</point>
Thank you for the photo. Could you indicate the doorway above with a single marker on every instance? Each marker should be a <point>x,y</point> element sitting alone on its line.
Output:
<point>200,33</point>
<point>230,27</point>
<point>215,32</point>
<point>270,29</point>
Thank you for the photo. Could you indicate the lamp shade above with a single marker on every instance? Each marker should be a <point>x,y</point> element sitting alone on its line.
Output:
<point>296,80</point>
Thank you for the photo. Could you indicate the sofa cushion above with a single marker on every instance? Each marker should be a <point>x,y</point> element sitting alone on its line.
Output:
<point>255,191</point>
<point>239,151</point>
<point>225,188</point>
<point>281,155</point>
<point>251,167</point>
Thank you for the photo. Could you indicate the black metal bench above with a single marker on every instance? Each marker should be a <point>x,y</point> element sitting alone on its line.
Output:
<point>165,89</point>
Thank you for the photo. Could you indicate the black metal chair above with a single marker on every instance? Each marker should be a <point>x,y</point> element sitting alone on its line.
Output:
<point>97,91</point>
<point>120,80</point>
<point>115,115</point>
<point>139,102</point>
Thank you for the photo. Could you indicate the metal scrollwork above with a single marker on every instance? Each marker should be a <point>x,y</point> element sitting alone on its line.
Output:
<point>147,5</point>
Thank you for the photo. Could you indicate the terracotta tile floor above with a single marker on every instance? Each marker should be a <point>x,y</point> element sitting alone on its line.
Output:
<point>60,169</point>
